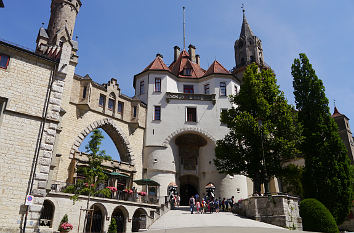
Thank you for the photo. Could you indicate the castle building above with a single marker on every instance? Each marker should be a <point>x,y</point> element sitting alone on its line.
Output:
<point>165,134</point>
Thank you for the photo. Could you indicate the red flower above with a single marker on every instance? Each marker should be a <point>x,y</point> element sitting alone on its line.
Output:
<point>113,189</point>
<point>66,226</point>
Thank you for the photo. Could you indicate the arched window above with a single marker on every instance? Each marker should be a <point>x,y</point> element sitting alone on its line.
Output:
<point>47,213</point>
<point>111,101</point>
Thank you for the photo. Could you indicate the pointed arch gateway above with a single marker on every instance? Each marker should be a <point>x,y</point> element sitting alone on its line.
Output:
<point>116,134</point>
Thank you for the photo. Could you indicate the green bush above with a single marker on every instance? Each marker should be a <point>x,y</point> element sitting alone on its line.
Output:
<point>69,189</point>
<point>316,217</point>
<point>113,226</point>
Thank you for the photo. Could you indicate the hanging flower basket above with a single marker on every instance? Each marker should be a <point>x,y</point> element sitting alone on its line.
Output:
<point>142,193</point>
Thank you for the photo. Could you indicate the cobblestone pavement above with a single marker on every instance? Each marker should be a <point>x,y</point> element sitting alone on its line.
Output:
<point>176,221</point>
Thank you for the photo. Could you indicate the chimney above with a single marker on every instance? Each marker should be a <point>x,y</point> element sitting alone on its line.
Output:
<point>177,52</point>
<point>191,52</point>
<point>197,58</point>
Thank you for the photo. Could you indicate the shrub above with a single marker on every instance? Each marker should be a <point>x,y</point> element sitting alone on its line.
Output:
<point>113,226</point>
<point>316,217</point>
<point>65,219</point>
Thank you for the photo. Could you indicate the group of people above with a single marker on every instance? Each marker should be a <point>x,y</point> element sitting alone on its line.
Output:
<point>175,200</point>
<point>211,205</point>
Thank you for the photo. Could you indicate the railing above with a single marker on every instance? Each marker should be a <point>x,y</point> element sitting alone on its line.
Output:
<point>188,96</point>
<point>58,187</point>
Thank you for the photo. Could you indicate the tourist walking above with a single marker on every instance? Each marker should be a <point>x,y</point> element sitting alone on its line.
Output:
<point>178,199</point>
<point>198,206</point>
<point>192,203</point>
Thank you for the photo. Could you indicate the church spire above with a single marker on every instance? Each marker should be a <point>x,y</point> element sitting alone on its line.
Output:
<point>245,29</point>
<point>248,47</point>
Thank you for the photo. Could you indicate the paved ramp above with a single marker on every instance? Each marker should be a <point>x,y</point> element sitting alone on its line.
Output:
<point>175,221</point>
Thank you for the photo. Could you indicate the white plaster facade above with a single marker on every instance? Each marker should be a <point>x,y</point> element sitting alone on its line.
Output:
<point>162,161</point>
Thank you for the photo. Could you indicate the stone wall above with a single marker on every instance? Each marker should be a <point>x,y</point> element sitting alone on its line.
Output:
<point>280,210</point>
<point>25,84</point>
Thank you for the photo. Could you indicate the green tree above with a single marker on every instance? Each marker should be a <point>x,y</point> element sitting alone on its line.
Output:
<point>94,172</point>
<point>326,174</point>
<point>113,226</point>
<point>250,149</point>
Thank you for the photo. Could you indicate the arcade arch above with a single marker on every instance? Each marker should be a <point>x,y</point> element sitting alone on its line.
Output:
<point>139,220</point>
<point>47,214</point>
<point>96,218</point>
<point>120,214</point>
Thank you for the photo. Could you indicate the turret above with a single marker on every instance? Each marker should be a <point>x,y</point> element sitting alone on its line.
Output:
<point>50,41</point>
<point>248,48</point>
<point>62,20</point>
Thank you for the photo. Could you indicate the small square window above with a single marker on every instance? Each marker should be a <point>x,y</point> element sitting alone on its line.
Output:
<point>192,114</point>
<point>206,89</point>
<point>188,89</point>
<point>4,61</point>
<point>102,100</point>
<point>157,85</point>
<point>120,107</point>
<point>157,113</point>
<point>222,89</point>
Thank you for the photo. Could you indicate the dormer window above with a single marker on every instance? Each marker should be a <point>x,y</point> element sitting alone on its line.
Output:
<point>187,71</point>
<point>4,61</point>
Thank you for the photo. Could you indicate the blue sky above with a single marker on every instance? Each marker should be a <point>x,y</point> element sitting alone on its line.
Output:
<point>120,38</point>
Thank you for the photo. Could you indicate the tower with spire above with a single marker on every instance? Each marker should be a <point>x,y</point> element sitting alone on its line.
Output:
<point>248,48</point>
<point>344,132</point>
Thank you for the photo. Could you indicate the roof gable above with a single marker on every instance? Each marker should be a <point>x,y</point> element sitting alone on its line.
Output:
<point>216,68</point>
<point>157,64</point>
<point>183,62</point>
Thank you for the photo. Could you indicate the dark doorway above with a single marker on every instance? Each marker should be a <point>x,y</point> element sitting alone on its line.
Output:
<point>188,187</point>
<point>120,220</point>
<point>139,220</point>
<point>187,191</point>
<point>94,220</point>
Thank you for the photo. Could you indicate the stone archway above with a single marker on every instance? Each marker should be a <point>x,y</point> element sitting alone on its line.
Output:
<point>194,130</point>
<point>117,135</point>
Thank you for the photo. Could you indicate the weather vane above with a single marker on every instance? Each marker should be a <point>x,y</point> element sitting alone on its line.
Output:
<point>243,7</point>
<point>334,101</point>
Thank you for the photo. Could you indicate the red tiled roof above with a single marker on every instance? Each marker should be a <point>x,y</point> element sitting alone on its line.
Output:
<point>183,62</point>
<point>216,68</point>
<point>157,64</point>
<point>336,113</point>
